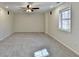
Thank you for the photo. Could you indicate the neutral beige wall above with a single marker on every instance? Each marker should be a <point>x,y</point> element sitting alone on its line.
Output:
<point>5,23</point>
<point>71,40</point>
<point>46,22</point>
<point>29,23</point>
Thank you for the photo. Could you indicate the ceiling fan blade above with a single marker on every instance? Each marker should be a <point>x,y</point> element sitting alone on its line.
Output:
<point>28,6</point>
<point>23,7</point>
<point>35,8</point>
<point>32,10</point>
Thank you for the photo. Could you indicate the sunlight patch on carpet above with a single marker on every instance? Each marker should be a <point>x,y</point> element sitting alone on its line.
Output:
<point>41,53</point>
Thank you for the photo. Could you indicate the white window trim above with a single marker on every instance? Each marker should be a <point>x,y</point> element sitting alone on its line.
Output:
<point>60,20</point>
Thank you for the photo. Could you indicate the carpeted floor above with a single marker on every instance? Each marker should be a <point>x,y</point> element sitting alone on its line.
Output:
<point>25,44</point>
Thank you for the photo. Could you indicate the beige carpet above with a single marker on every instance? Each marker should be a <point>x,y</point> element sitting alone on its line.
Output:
<point>25,44</point>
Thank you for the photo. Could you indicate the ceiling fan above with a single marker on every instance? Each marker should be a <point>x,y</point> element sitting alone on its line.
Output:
<point>29,8</point>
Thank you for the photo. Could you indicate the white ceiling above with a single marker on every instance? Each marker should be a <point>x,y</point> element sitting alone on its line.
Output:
<point>15,6</point>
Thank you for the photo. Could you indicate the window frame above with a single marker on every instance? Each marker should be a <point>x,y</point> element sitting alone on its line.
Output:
<point>60,19</point>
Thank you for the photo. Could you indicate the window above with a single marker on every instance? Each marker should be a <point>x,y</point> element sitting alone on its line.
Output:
<point>65,19</point>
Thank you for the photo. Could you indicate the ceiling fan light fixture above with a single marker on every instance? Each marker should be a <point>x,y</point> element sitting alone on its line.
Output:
<point>30,6</point>
<point>28,10</point>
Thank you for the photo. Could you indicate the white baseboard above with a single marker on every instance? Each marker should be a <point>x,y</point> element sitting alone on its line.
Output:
<point>64,44</point>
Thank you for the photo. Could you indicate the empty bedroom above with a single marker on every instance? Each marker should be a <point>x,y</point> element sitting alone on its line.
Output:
<point>39,29</point>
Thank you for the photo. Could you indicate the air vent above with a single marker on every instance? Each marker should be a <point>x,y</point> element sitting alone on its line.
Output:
<point>8,12</point>
<point>50,12</point>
